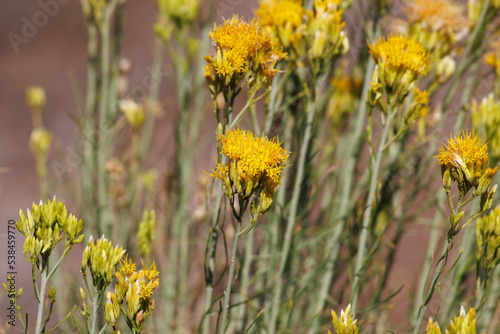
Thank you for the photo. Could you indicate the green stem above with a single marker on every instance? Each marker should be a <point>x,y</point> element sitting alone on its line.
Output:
<point>230,276</point>
<point>245,280</point>
<point>437,273</point>
<point>41,302</point>
<point>96,304</point>
<point>311,113</point>
<point>347,179</point>
<point>363,239</point>
<point>103,215</point>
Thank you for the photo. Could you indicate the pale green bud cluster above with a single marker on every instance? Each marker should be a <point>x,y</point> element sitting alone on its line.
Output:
<point>44,226</point>
<point>488,239</point>
<point>35,97</point>
<point>463,324</point>
<point>325,34</point>
<point>111,309</point>
<point>146,232</point>
<point>101,259</point>
<point>486,116</point>
<point>175,14</point>
<point>134,113</point>
<point>40,141</point>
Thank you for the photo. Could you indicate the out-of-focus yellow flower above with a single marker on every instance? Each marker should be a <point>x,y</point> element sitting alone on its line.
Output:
<point>242,48</point>
<point>344,98</point>
<point>35,97</point>
<point>436,24</point>
<point>282,18</point>
<point>492,58</point>
<point>146,232</point>
<point>420,100</point>
<point>401,60</point>
<point>486,116</point>
<point>134,113</point>
<point>474,8</point>
<point>325,34</point>
<point>344,323</point>
<point>40,141</point>
<point>488,239</point>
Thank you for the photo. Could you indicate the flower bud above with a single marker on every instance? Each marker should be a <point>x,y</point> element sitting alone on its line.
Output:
<point>35,97</point>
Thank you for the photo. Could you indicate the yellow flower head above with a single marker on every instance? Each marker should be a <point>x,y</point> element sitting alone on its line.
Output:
<point>400,59</point>
<point>281,18</point>
<point>464,152</point>
<point>127,267</point>
<point>241,46</point>
<point>437,24</point>
<point>463,324</point>
<point>256,157</point>
<point>344,323</point>
<point>464,160</point>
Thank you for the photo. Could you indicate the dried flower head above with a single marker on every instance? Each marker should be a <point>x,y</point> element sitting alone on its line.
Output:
<point>344,323</point>
<point>242,48</point>
<point>436,24</point>
<point>401,60</point>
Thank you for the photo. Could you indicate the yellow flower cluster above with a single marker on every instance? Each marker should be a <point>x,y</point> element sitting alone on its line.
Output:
<point>317,33</point>
<point>486,116</point>
<point>436,24</point>
<point>241,48</point>
<point>465,153</point>
<point>281,18</point>
<point>255,163</point>
<point>465,160</point>
<point>325,30</point>
<point>401,60</point>
<point>344,323</point>
<point>135,289</point>
<point>488,239</point>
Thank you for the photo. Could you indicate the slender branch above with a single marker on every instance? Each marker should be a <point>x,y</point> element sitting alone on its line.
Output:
<point>363,239</point>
